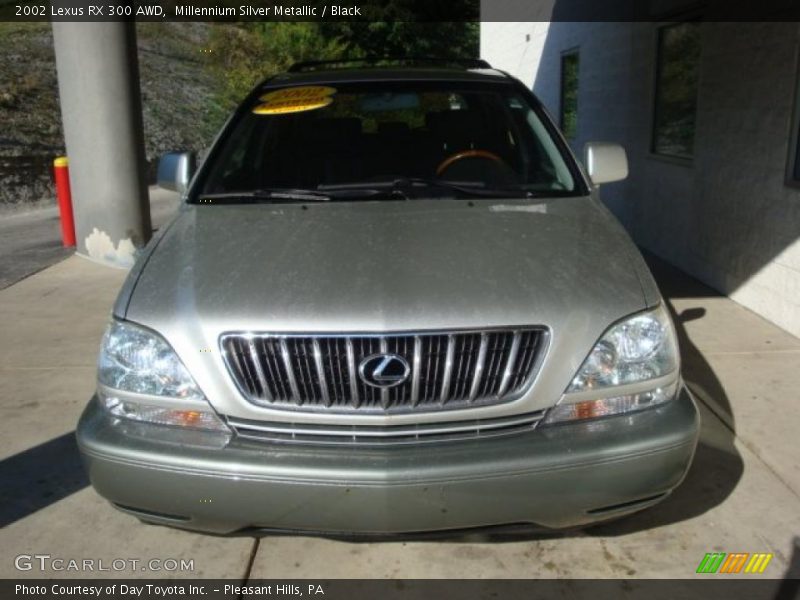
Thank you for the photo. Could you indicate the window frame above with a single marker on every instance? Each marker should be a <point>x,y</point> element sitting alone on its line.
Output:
<point>657,40</point>
<point>792,174</point>
<point>575,51</point>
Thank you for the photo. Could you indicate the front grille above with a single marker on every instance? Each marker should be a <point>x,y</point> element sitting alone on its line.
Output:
<point>448,370</point>
<point>267,431</point>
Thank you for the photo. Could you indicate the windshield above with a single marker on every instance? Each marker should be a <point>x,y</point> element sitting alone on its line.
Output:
<point>452,138</point>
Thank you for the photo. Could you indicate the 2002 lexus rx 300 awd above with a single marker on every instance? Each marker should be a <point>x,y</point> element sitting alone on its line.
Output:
<point>391,301</point>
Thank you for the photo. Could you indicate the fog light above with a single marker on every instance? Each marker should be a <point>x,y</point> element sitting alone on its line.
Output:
<point>606,407</point>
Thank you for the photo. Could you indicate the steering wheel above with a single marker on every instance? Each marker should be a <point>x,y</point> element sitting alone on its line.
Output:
<point>450,160</point>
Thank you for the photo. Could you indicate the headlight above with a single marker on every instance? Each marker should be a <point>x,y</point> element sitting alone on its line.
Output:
<point>137,360</point>
<point>142,379</point>
<point>633,366</point>
<point>639,348</point>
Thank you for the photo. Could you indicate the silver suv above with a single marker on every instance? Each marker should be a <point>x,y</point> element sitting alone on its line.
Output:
<point>391,301</point>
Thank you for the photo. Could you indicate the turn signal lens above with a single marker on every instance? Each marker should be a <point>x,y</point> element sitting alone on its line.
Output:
<point>160,415</point>
<point>606,407</point>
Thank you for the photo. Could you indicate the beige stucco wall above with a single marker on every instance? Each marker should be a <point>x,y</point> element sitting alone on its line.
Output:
<point>727,217</point>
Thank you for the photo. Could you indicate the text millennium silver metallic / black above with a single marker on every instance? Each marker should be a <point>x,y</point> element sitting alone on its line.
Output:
<point>276,10</point>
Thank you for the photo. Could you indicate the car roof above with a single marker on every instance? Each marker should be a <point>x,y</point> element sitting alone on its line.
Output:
<point>351,75</point>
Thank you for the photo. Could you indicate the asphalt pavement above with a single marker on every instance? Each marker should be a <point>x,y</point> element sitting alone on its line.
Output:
<point>31,241</point>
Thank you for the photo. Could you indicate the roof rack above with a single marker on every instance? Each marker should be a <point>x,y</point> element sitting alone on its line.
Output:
<point>461,63</point>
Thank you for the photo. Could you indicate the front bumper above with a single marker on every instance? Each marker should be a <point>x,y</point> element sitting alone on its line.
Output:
<point>553,477</point>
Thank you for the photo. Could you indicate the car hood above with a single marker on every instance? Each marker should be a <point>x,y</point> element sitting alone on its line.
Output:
<point>390,266</point>
<point>383,266</point>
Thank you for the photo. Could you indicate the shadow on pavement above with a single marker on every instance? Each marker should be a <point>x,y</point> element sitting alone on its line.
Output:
<point>39,477</point>
<point>790,586</point>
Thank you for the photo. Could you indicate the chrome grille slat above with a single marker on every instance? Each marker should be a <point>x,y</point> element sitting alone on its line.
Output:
<point>498,350</point>
<point>493,349</point>
<point>507,370</point>
<point>287,361</point>
<point>427,370</point>
<point>351,368</point>
<point>525,362</point>
<point>323,385</point>
<point>306,374</point>
<point>448,370</point>
<point>384,391</point>
<point>275,357</point>
<point>476,377</point>
<point>259,369</point>
<point>268,369</point>
<point>236,364</point>
<point>462,368</point>
<point>335,359</point>
<point>415,369</point>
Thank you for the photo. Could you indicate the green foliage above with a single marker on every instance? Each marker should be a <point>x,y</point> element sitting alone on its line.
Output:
<point>244,53</point>
<point>410,28</point>
<point>569,94</point>
<point>403,38</point>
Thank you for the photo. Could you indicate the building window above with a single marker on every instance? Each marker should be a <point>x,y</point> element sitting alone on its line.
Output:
<point>677,75</point>
<point>568,118</point>
<point>793,166</point>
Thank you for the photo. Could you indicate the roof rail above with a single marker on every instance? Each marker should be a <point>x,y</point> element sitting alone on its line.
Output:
<point>462,63</point>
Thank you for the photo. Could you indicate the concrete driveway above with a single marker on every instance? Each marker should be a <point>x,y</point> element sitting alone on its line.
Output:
<point>741,495</point>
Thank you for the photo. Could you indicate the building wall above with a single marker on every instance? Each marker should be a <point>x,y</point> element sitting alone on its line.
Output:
<point>727,217</point>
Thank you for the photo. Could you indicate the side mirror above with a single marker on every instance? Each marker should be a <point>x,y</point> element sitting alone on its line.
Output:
<point>605,162</point>
<point>175,170</point>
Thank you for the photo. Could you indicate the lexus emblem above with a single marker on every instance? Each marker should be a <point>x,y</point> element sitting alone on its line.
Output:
<point>384,370</point>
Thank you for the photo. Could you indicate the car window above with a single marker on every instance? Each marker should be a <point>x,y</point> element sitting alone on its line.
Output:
<point>310,137</point>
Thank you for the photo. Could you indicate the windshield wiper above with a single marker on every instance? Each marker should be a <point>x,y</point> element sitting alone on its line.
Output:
<point>481,189</point>
<point>399,188</point>
<point>403,185</point>
<point>322,194</point>
<point>465,187</point>
<point>265,195</point>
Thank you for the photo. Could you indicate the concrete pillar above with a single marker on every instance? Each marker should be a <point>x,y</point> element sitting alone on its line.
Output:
<point>98,84</point>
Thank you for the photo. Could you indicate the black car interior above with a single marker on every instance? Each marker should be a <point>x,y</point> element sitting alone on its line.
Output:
<point>310,148</point>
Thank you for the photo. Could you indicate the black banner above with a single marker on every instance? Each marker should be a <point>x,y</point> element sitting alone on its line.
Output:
<point>713,587</point>
<point>398,10</point>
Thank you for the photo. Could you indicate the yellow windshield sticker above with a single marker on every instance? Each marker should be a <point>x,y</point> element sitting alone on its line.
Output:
<point>295,99</point>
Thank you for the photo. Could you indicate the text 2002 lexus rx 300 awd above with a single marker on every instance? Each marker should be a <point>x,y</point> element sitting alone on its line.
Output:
<point>391,301</point>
